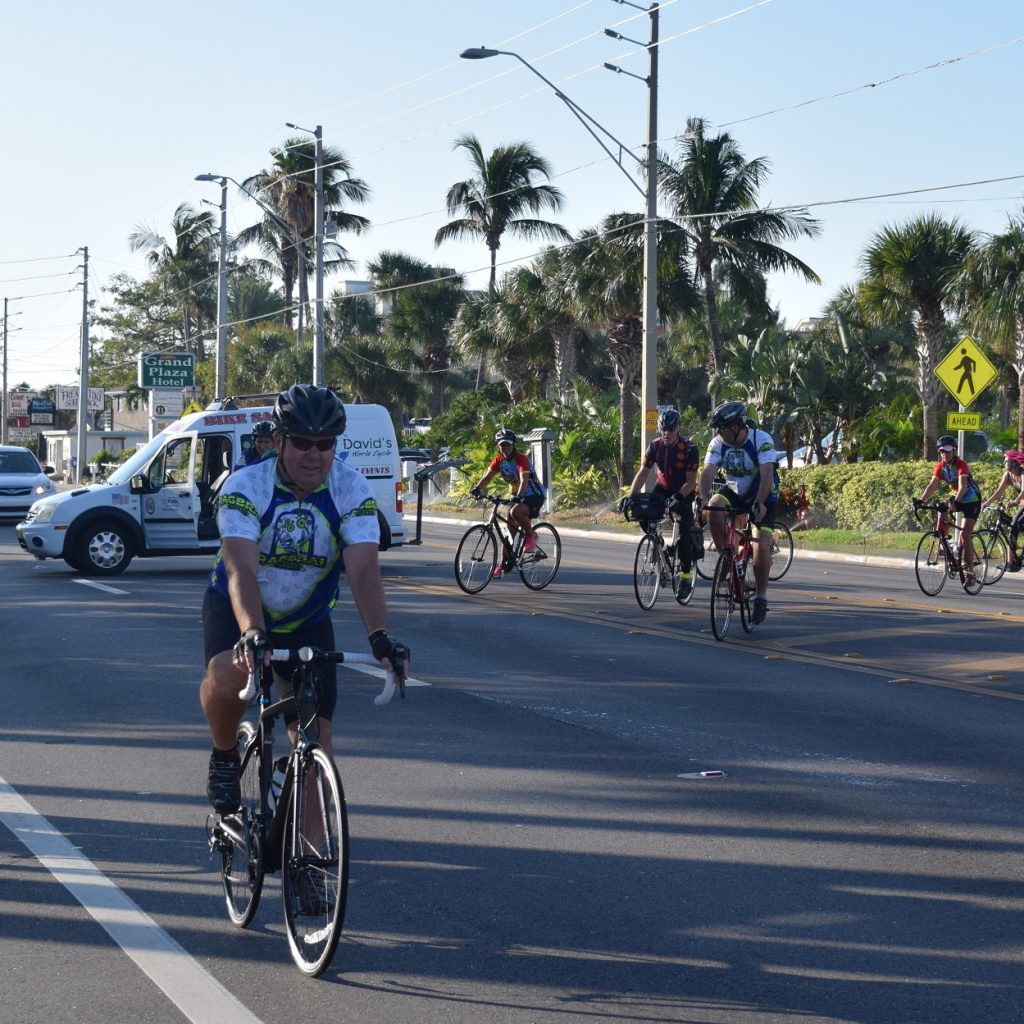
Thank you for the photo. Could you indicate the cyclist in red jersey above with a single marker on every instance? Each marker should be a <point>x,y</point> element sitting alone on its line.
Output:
<point>527,490</point>
<point>952,471</point>
<point>677,459</point>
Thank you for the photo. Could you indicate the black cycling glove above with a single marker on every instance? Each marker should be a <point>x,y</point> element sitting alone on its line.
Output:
<point>250,640</point>
<point>476,492</point>
<point>384,645</point>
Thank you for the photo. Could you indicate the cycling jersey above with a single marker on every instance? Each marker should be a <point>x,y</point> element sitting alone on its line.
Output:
<point>741,464</point>
<point>300,542</point>
<point>674,461</point>
<point>508,467</point>
<point>950,473</point>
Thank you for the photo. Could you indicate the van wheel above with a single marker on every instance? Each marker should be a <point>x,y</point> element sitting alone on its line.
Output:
<point>103,549</point>
<point>385,532</point>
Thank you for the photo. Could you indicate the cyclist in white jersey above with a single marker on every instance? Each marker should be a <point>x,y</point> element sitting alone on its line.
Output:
<point>288,526</point>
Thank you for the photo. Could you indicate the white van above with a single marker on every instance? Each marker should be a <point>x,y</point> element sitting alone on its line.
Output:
<point>162,500</point>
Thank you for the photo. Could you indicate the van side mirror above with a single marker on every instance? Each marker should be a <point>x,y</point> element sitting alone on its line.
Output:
<point>140,484</point>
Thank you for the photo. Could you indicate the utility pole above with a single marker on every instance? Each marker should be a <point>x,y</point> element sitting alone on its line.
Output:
<point>83,382</point>
<point>221,383</point>
<point>3,416</point>
<point>318,337</point>
<point>649,374</point>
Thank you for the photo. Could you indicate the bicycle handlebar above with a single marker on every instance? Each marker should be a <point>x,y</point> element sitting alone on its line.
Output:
<point>331,657</point>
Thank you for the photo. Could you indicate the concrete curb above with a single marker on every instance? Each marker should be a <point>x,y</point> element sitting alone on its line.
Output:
<point>882,561</point>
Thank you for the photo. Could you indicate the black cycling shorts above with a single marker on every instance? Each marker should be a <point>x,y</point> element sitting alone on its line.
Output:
<point>970,509</point>
<point>221,632</point>
<point>738,504</point>
<point>533,503</point>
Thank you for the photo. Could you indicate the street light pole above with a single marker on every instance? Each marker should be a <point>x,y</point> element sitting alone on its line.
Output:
<point>649,354</point>
<point>221,371</point>
<point>83,376</point>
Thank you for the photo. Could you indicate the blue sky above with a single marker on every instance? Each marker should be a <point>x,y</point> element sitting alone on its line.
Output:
<point>111,109</point>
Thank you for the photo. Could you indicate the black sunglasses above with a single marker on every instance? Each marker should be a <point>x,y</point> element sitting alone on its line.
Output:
<point>321,444</point>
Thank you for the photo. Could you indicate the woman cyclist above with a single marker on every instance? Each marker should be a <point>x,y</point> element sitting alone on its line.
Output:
<point>955,473</point>
<point>1013,475</point>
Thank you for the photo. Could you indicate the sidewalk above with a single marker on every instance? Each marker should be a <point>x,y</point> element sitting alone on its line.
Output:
<point>628,535</point>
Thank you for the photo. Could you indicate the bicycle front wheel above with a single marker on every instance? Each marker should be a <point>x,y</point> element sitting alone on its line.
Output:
<point>538,567</point>
<point>723,594</point>
<point>476,559</point>
<point>241,854</point>
<point>997,554</point>
<point>314,863</point>
<point>745,591</point>
<point>646,573</point>
<point>930,563</point>
<point>782,551</point>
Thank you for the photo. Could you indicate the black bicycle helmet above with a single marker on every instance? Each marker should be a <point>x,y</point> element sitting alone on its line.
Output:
<point>726,413</point>
<point>947,441</point>
<point>504,434</point>
<point>265,428</point>
<point>669,420</point>
<point>308,409</point>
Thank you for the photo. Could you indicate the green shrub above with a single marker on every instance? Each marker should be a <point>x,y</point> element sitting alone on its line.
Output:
<point>872,497</point>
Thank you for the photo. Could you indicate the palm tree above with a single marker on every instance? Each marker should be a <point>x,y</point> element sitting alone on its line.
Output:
<point>423,305</point>
<point>186,266</point>
<point>494,200</point>
<point>713,190</point>
<point>288,187</point>
<point>605,272</point>
<point>993,293</point>
<point>912,269</point>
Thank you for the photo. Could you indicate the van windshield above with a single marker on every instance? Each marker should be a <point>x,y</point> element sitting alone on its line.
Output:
<point>135,464</point>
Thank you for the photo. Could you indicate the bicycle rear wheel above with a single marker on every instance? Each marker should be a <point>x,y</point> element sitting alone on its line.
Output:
<point>475,559</point>
<point>646,573</point>
<point>930,563</point>
<point>782,551</point>
<point>997,554</point>
<point>705,567</point>
<point>314,864</point>
<point>973,584</point>
<point>723,595</point>
<point>537,568</point>
<point>241,854</point>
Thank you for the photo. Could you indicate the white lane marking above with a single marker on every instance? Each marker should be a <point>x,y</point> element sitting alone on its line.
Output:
<point>376,670</point>
<point>99,586</point>
<point>199,996</point>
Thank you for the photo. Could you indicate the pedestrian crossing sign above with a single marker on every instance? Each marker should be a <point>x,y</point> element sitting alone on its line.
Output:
<point>965,371</point>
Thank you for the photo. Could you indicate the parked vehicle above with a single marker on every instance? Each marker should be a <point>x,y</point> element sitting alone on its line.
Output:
<point>22,481</point>
<point>162,500</point>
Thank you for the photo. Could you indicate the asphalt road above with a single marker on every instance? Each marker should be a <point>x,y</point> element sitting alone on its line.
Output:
<point>524,846</point>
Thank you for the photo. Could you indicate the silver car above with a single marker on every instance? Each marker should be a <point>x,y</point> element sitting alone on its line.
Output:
<point>22,481</point>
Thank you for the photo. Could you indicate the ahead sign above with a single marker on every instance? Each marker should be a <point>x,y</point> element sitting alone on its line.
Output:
<point>167,370</point>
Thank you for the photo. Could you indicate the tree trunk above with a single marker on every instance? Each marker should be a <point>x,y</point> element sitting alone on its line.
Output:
<point>713,332</point>
<point>789,445</point>
<point>930,332</point>
<point>625,347</point>
<point>565,362</point>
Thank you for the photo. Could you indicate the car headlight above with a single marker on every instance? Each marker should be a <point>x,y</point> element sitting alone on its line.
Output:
<point>42,513</point>
<point>44,488</point>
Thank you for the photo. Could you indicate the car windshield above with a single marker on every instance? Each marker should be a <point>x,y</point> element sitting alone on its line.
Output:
<point>18,462</point>
<point>135,464</point>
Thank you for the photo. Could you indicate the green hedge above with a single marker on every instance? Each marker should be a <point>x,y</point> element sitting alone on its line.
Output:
<point>872,496</point>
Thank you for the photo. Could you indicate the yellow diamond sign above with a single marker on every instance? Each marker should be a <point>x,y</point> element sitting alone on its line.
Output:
<point>965,371</point>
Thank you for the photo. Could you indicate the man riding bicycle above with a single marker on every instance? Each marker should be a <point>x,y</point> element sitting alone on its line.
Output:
<point>676,459</point>
<point>288,526</point>
<point>746,456</point>
<point>1013,476</point>
<point>527,490</point>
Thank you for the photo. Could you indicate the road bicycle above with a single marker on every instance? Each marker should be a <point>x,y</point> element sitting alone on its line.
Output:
<point>938,560</point>
<point>653,566</point>
<point>999,548</point>
<point>729,585</point>
<point>293,816</point>
<point>781,552</point>
<point>476,558</point>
